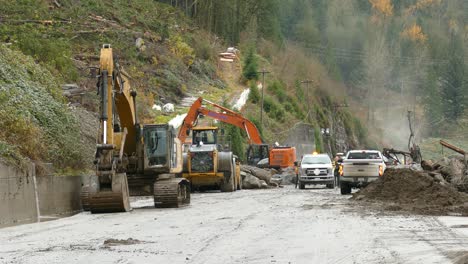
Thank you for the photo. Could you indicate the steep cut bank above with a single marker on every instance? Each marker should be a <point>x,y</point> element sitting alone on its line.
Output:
<point>36,122</point>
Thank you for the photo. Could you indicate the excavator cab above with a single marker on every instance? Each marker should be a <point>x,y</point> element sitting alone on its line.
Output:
<point>207,135</point>
<point>160,151</point>
<point>256,153</point>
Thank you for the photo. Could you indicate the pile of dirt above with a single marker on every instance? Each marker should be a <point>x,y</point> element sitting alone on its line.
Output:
<point>415,191</point>
<point>118,242</point>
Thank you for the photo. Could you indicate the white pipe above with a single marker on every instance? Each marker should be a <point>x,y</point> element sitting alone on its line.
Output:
<point>105,132</point>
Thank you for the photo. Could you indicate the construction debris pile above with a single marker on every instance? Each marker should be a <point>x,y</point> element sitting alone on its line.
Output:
<point>257,178</point>
<point>414,191</point>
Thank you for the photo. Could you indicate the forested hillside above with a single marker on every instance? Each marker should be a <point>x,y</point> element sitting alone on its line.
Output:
<point>355,66</point>
<point>391,56</point>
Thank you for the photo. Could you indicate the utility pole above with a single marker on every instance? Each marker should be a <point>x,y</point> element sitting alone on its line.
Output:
<point>335,112</point>
<point>263,72</point>
<point>307,102</point>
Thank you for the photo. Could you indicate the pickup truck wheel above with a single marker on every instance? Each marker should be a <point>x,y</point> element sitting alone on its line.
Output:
<point>331,186</point>
<point>301,186</point>
<point>345,188</point>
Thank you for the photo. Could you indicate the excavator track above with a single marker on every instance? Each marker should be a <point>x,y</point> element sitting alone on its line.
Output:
<point>171,193</point>
<point>114,200</point>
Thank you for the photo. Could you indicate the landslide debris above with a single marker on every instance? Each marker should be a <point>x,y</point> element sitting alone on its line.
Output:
<point>449,170</point>
<point>414,191</point>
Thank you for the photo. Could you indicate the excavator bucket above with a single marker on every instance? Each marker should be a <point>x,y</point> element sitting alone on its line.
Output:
<point>114,200</point>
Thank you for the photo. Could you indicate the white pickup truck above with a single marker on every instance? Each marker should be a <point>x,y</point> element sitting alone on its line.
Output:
<point>359,168</point>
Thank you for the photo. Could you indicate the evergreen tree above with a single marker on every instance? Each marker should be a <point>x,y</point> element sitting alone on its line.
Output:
<point>433,103</point>
<point>453,81</point>
<point>237,145</point>
<point>250,70</point>
<point>318,140</point>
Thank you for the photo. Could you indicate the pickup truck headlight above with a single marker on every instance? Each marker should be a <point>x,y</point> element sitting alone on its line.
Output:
<point>330,171</point>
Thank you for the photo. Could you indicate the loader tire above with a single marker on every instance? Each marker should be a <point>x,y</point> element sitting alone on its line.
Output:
<point>228,184</point>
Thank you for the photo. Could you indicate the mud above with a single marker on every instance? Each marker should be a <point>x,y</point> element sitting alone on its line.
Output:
<point>417,192</point>
<point>118,242</point>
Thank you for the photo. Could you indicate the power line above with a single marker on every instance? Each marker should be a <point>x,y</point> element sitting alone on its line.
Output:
<point>359,55</point>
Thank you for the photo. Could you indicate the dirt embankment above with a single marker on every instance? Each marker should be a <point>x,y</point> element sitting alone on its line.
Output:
<point>414,191</point>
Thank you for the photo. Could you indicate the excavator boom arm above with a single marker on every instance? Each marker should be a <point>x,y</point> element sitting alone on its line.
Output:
<point>117,100</point>
<point>226,116</point>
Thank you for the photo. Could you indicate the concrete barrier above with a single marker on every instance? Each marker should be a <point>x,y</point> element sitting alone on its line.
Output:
<point>58,195</point>
<point>25,198</point>
<point>17,196</point>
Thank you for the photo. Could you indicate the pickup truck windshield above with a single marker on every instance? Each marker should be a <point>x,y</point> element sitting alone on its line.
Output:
<point>364,155</point>
<point>316,160</point>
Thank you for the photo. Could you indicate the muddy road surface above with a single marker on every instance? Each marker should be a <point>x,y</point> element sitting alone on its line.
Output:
<point>282,225</point>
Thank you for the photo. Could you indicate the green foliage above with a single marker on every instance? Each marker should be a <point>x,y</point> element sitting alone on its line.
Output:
<point>453,92</point>
<point>433,105</point>
<point>360,130</point>
<point>268,104</point>
<point>347,122</point>
<point>278,89</point>
<point>202,48</point>
<point>250,69</point>
<point>227,18</point>
<point>254,95</point>
<point>181,49</point>
<point>321,117</point>
<point>273,109</point>
<point>237,144</point>
<point>299,91</point>
<point>34,114</point>
<point>268,20</point>
<point>318,140</point>
<point>288,107</point>
<point>297,110</point>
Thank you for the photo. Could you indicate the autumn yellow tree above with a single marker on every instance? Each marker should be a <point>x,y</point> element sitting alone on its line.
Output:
<point>383,7</point>
<point>415,34</point>
<point>421,4</point>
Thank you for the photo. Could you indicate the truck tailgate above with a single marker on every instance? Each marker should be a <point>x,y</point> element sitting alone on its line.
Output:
<point>360,169</point>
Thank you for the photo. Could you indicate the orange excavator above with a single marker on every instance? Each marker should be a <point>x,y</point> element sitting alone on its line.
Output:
<point>279,157</point>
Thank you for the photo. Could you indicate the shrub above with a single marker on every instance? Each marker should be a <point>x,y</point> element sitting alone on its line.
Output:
<point>268,104</point>
<point>181,49</point>
<point>254,95</point>
<point>56,54</point>
<point>278,89</point>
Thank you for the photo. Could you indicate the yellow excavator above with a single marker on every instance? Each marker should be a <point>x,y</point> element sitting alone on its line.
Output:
<point>131,159</point>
